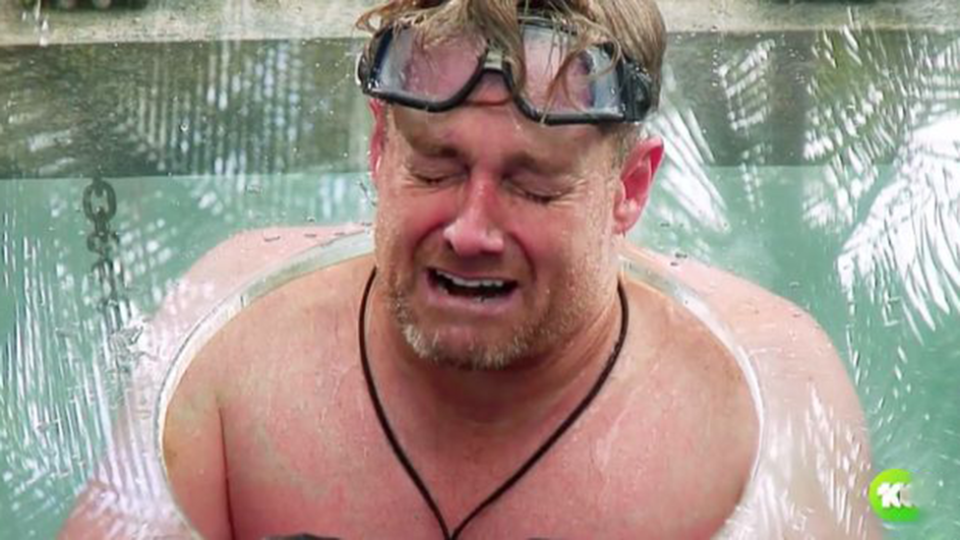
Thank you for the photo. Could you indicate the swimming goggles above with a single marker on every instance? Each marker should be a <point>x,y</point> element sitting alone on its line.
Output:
<point>401,67</point>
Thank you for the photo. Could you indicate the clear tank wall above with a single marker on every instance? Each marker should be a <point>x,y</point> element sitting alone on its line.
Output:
<point>812,147</point>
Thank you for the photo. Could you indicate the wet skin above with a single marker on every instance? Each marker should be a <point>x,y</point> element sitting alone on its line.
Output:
<point>300,448</point>
<point>272,431</point>
<point>479,193</point>
<point>483,193</point>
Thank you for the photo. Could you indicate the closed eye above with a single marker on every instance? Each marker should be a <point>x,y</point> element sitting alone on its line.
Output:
<point>429,179</point>
<point>538,198</point>
<point>434,179</point>
<point>432,172</point>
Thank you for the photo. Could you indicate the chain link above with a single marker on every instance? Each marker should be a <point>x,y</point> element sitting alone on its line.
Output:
<point>100,206</point>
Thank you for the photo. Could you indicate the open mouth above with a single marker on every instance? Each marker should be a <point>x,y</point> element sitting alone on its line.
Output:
<point>476,289</point>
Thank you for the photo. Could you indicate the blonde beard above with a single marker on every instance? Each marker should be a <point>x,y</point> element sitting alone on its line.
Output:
<point>550,331</point>
<point>476,358</point>
<point>532,338</point>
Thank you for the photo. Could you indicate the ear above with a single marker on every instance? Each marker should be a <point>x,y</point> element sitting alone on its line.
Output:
<point>636,179</point>
<point>378,136</point>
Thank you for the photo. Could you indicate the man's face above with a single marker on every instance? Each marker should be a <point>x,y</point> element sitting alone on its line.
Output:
<point>494,234</point>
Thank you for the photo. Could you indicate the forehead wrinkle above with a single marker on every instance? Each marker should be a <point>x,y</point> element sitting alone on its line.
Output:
<point>539,148</point>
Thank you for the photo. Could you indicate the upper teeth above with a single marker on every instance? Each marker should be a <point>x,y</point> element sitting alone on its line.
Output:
<point>472,282</point>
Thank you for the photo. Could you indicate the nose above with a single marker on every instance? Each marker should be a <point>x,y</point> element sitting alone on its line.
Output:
<point>474,230</point>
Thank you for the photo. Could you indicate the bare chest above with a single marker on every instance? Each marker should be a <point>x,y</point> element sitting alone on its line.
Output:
<point>310,456</point>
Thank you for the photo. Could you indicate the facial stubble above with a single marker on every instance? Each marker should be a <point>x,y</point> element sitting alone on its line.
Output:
<point>529,339</point>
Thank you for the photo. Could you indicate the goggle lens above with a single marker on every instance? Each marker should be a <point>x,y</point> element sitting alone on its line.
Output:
<point>435,72</point>
<point>438,75</point>
<point>588,86</point>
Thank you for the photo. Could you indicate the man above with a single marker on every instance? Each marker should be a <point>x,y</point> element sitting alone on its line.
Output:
<point>489,371</point>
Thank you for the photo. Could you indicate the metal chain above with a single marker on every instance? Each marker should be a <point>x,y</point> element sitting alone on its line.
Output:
<point>100,206</point>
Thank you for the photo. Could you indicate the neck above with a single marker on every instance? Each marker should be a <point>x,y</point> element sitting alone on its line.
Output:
<point>490,403</point>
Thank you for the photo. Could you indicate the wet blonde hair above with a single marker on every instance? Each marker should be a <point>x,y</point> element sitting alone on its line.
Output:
<point>634,27</point>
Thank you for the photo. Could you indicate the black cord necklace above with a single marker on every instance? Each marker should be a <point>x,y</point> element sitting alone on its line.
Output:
<point>527,465</point>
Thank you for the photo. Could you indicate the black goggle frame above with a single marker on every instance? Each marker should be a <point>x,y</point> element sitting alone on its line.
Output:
<point>634,83</point>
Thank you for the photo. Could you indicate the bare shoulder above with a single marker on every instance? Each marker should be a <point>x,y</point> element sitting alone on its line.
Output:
<point>227,269</point>
<point>270,319</point>
<point>231,367</point>
<point>812,423</point>
<point>284,333</point>
<point>782,341</point>
<point>693,398</point>
<point>123,496</point>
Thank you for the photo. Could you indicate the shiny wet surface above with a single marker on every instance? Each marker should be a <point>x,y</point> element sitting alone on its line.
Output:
<point>823,165</point>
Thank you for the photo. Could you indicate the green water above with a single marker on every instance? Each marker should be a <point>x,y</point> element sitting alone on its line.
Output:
<point>824,166</point>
